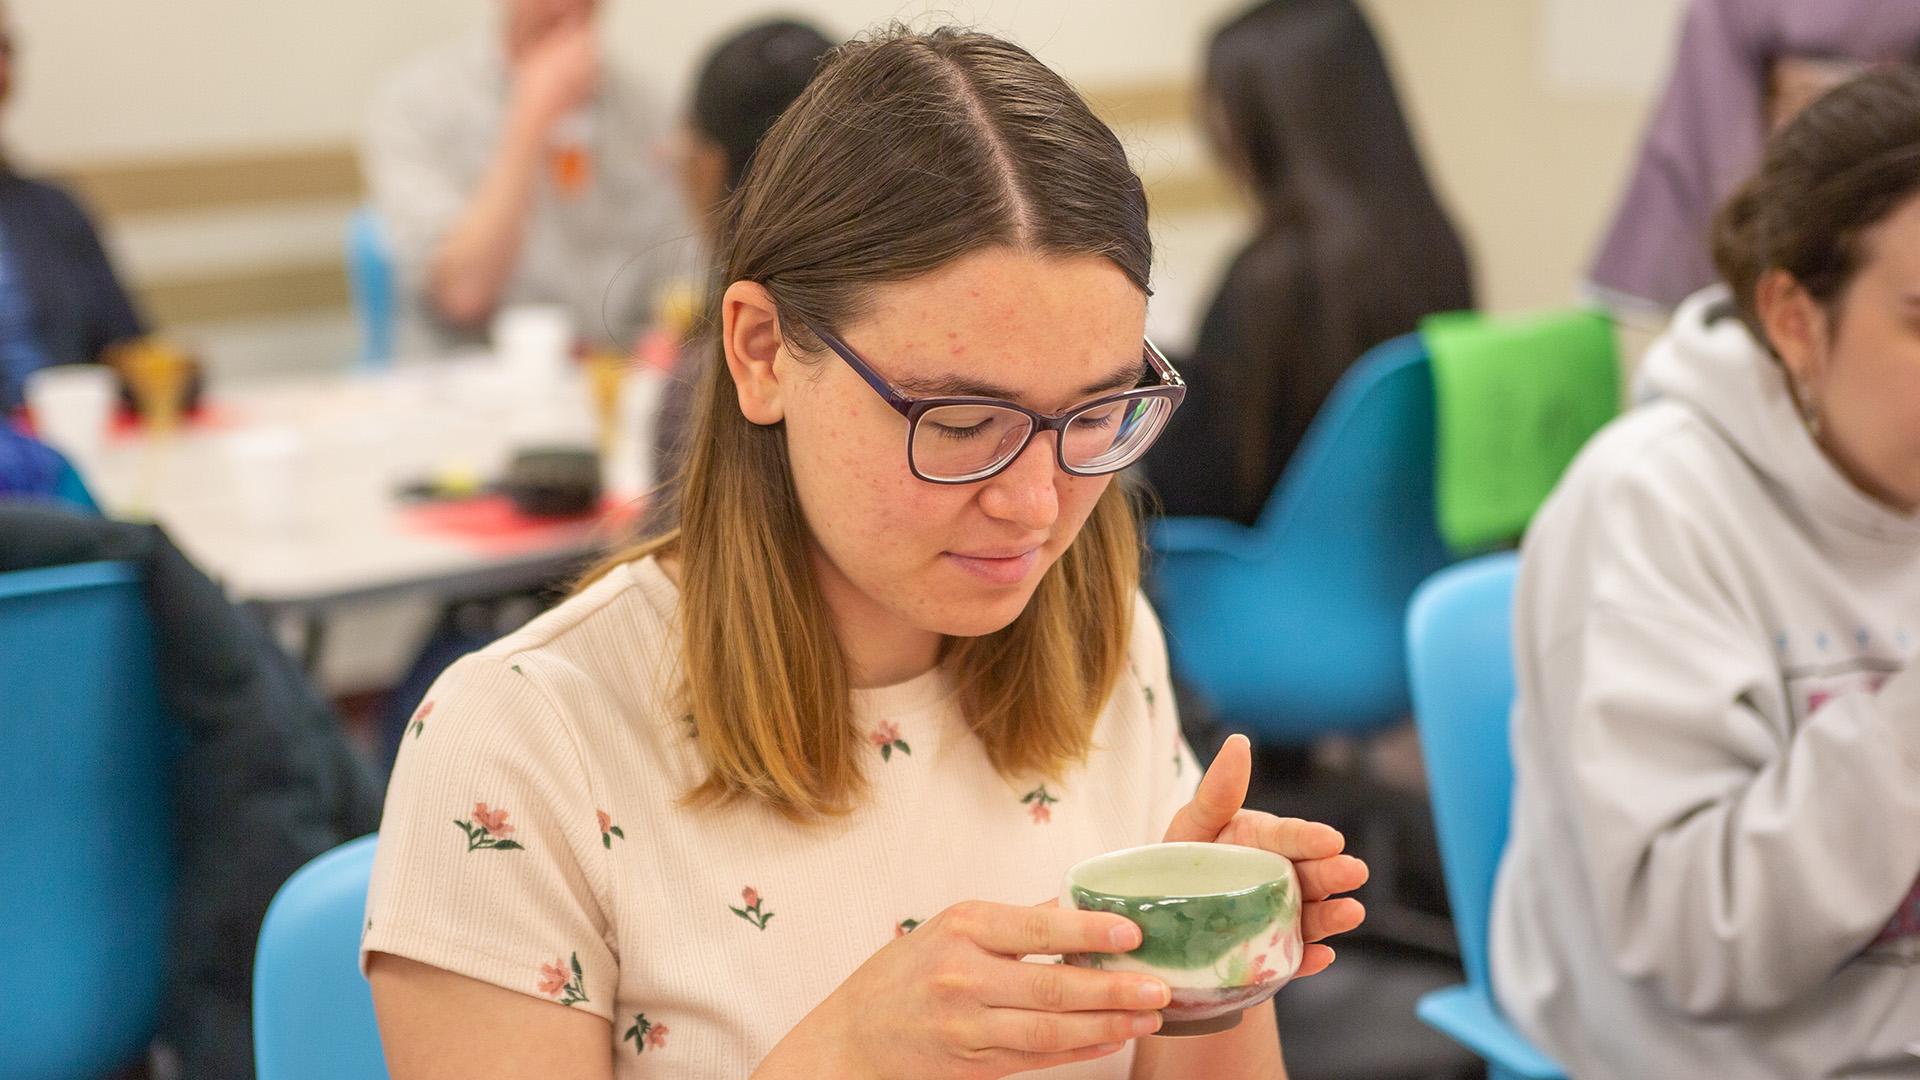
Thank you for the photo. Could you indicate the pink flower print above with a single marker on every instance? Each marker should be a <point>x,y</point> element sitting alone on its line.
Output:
<point>645,1034</point>
<point>494,821</point>
<point>564,981</point>
<point>488,829</point>
<point>1037,801</point>
<point>420,719</point>
<point>1261,972</point>
<point>886,737</point>
<point>750,897</point>
<point>905,926</point>
<point>608,830</point>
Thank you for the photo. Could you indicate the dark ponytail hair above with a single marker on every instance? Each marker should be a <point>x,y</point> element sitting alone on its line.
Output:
<point>1825,180</point>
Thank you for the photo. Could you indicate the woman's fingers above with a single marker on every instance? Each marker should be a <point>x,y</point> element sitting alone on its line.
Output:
<point>1014,984</point>
<point>1326,918</point>
<point>1011,930</point>
<point>1313,960</point>
<point>1321,878</point>
<point>1222,792</point>
<point>1301,841</point>
<point>1040,1032</point>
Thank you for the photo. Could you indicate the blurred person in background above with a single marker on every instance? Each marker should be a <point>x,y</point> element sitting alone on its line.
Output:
<point>520,166</point>
<point>1743,68</point>
<point>60,301</point>
<point>744,86</point>
<point>1716,739</point>
<point>1352,248</point>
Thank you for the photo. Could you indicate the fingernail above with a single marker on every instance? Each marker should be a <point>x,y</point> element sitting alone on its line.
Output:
<point>1146,1023</point>
<point>1108,1048</point>
<point>1124,937</point>
<point>1153,994</point>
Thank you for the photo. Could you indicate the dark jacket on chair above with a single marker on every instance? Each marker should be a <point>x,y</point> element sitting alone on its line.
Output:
<point>267,779</point>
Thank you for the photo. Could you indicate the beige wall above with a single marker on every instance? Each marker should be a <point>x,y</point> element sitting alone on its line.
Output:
<point>1531,167</point>
<point>1528,113</point>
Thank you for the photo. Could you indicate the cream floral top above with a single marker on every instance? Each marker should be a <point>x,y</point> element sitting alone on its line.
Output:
<point>533,837</point>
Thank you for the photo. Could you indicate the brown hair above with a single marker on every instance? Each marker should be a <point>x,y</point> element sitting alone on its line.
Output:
<point>906,152</point>
<point>1826,179</point>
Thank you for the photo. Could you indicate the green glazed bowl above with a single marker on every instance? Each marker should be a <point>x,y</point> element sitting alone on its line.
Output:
<point>1220,925</point>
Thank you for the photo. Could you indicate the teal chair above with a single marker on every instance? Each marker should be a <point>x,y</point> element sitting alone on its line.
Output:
<point>88,867</point>
<point>1294,629</point>
<point>1460,660</point>
<point>312,1009</point>
<point>370,278</point>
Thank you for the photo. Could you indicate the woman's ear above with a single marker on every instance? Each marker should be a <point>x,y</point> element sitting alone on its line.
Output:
<point>750,333</point>
<point>1796,327</point>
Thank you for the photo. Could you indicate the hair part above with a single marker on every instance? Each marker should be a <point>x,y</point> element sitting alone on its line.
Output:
<point>1826,179</point>
<point>905,152</point>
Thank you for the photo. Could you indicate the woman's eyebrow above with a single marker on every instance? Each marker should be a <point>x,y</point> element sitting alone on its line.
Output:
<point>966,386</point>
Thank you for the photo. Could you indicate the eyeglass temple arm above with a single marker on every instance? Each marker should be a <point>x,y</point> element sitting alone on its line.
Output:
<point>1159,363</point>
<point>900,403</point>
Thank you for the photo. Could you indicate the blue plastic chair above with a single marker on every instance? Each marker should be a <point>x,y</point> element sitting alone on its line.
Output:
<point>1293,629</point>
<point>87,870</point>
<point>312,1009</point>
<point>1460,655</point>
<point>370,278</point>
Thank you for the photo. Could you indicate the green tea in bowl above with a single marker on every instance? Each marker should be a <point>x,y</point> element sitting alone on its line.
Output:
<point>1220,925</point>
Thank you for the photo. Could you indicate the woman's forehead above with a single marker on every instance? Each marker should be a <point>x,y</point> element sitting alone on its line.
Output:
<point>1006,321</point>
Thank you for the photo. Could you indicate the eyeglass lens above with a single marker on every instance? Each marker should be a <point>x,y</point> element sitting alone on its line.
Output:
<point>963,442</point>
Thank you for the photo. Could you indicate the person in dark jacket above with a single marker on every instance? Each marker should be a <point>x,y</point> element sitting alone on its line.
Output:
<point>1351,248</point>
<point>60,302</point>
<point>266,778</point>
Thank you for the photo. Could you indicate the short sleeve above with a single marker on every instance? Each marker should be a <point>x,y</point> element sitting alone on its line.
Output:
<point>1176,772</point>
<point>490,863</point>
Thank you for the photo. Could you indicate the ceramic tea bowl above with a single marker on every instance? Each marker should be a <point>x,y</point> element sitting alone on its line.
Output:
<point>1220,925</point>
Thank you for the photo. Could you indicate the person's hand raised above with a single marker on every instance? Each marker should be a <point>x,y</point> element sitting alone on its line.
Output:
<point>1217,816</point>
<point>557,73</point>
<point>953,999</point>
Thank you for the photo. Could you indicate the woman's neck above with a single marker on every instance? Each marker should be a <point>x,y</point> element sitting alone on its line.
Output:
<point>880,649</point>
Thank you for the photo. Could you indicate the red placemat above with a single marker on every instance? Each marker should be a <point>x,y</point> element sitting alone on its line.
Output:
<point>494,527</point>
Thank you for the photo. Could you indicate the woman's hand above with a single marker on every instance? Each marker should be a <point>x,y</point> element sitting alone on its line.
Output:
<point>1216,816</point>
<point>954,999</point>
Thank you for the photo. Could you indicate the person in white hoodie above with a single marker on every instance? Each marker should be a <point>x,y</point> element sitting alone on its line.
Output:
<point>1716,823</point>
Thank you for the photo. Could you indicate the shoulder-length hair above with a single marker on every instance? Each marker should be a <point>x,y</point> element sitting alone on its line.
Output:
<point>904,153</point>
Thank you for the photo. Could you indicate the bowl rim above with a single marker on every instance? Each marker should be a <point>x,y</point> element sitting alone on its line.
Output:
<point>1069,883</point>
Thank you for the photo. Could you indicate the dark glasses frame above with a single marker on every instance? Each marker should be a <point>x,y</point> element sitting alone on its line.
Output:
<point>1172,388</point>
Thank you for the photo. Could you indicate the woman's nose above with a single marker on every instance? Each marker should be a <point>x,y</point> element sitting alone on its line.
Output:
<point>1025,493</point>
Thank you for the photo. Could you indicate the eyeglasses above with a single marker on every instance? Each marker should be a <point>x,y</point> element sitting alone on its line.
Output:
<point>963,440</point>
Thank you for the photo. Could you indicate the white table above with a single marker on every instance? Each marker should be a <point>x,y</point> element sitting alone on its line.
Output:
<point>364,438</point>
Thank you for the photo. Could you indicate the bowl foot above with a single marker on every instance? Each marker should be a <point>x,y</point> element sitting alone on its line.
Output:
<point>1177,1029</point>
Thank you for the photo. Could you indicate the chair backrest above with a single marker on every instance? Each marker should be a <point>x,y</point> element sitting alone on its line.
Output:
<point>1304,636</point>
<point>370,278</point>
<point>312,1009</point>
<point>87,871</point>
<point>1460,655</point>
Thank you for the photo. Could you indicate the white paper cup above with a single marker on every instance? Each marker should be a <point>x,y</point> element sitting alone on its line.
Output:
<point>271,470</point>
<point>71,406</point>
<point>534,342</point>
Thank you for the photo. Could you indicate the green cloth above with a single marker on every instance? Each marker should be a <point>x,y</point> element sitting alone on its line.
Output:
<point>1514,400</point>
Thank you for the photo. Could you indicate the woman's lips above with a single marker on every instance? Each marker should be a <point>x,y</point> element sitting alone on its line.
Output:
<point>997,569</point>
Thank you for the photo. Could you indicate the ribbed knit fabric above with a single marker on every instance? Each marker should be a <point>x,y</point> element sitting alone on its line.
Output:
<point>534,839</point>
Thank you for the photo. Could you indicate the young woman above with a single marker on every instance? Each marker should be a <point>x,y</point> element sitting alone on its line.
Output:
<point>774,796</point>
<point>1716,828</point>
<point>1351,248</point>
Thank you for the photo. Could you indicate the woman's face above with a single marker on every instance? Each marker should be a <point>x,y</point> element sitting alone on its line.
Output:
<point>896,553</point>
<point>1860,370</point>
